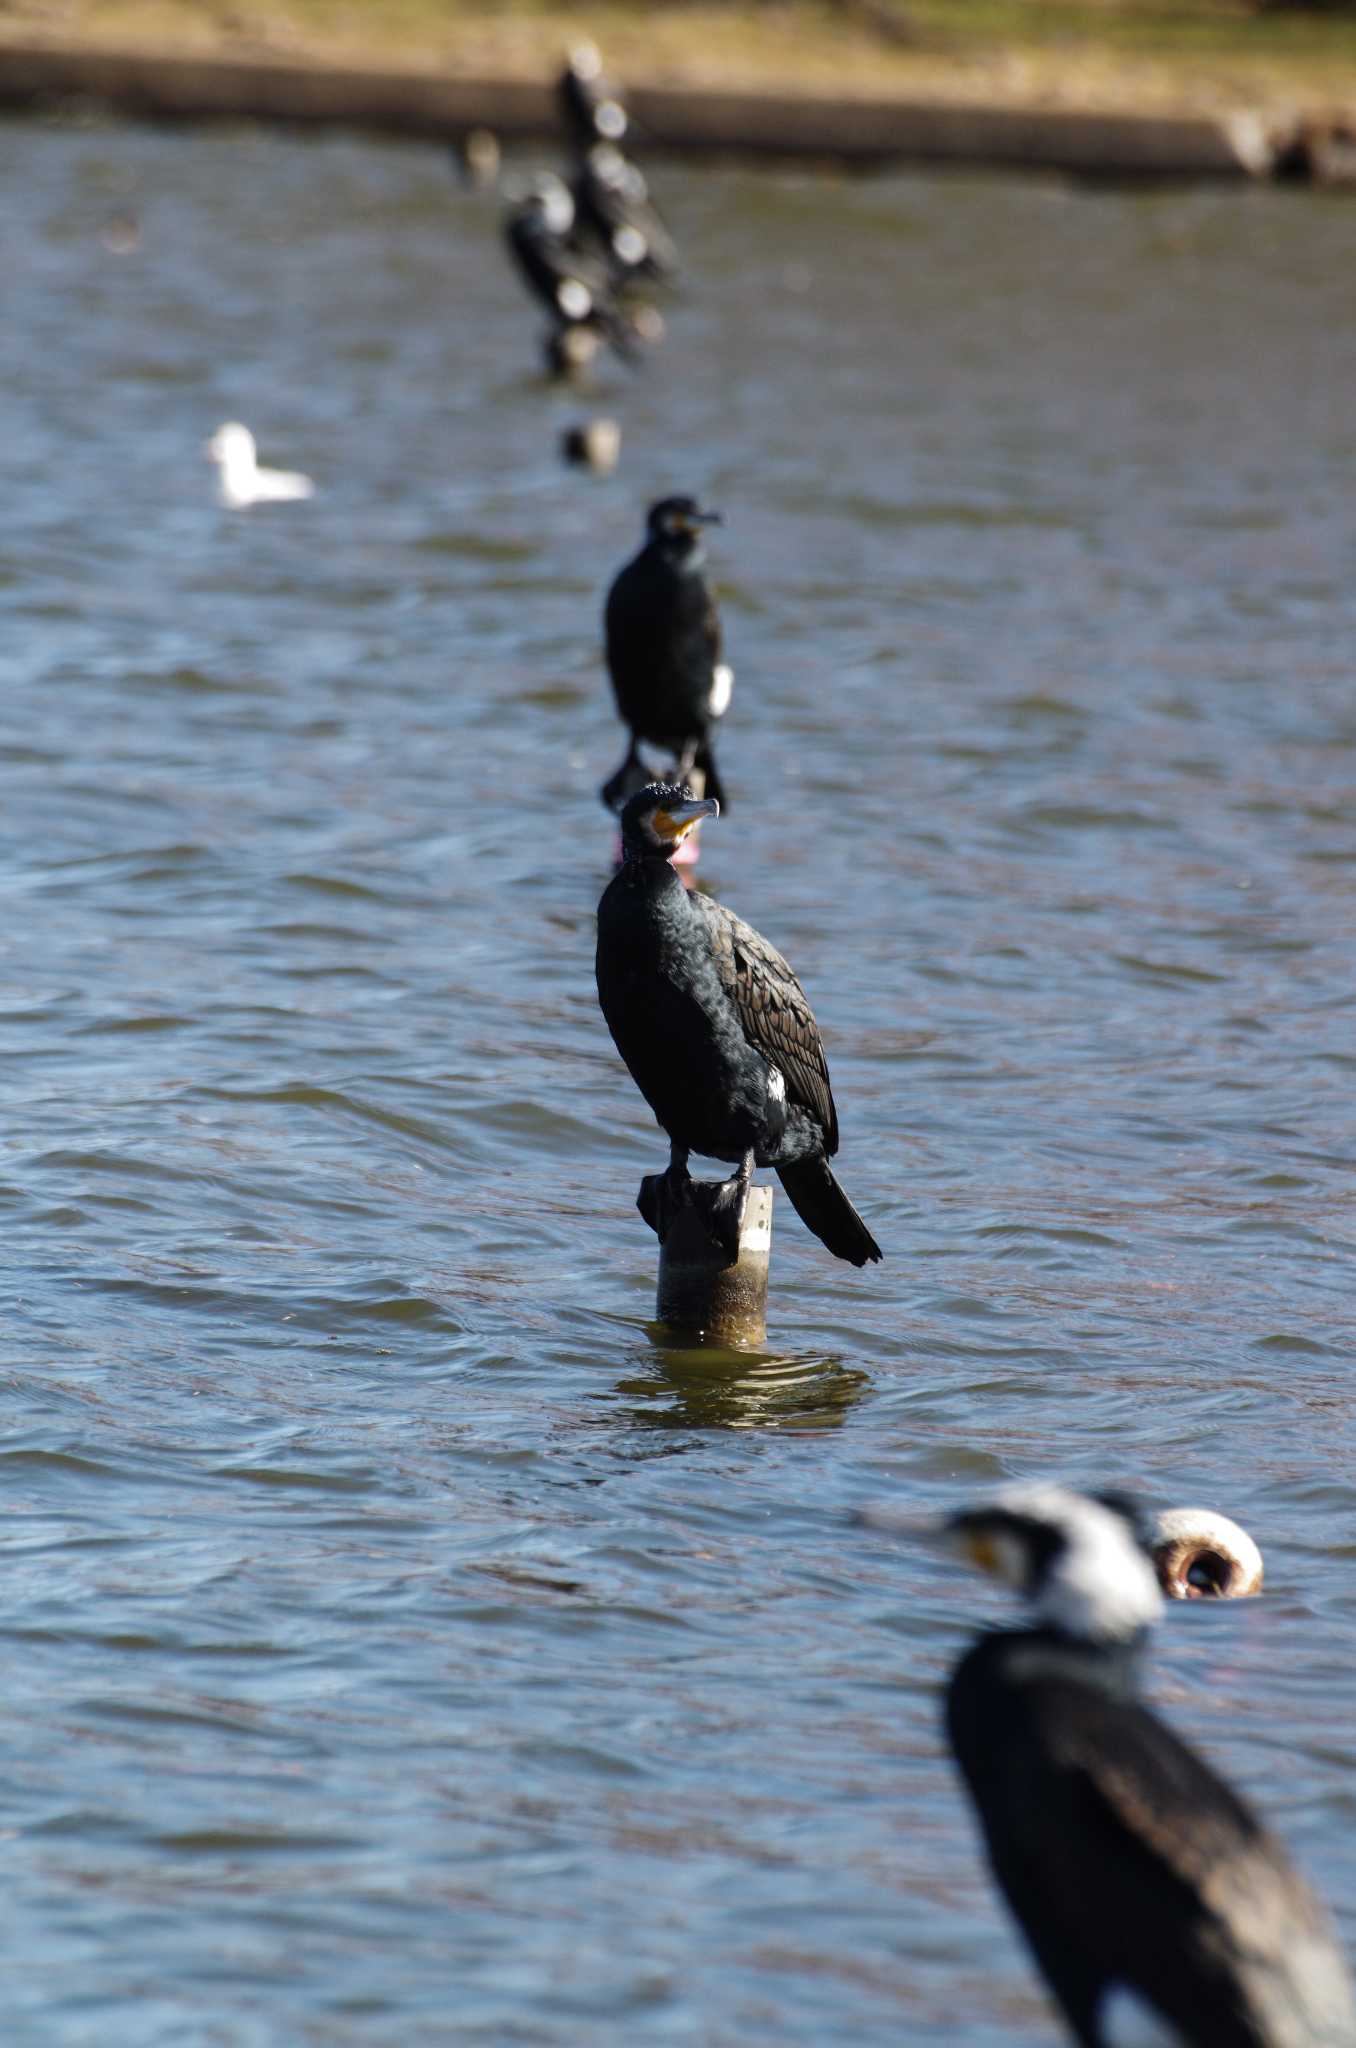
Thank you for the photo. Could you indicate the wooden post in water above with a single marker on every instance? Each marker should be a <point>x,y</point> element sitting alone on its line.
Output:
<point>700,1295</point>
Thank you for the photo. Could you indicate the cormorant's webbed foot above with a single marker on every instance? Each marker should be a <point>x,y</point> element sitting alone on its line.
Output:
<point>721,1207</point>
<point>662,1195</point>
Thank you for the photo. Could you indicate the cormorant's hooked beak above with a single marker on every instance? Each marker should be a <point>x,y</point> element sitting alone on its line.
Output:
<point>912,1528</point>
<point>967,1536</point>
<point>675,821</point>
<point>708,518</point>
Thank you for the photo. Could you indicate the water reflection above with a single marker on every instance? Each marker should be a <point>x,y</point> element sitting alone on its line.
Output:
<point>704,1386</point>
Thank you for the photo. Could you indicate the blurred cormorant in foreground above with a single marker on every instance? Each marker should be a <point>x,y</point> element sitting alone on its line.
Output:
<point>663,650</point>
<point>591,111</point>
<point>1148,1893</point>
<point>719,1038</point>
<point>573,289</point>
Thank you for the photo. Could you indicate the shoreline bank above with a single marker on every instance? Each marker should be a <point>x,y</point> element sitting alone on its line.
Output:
<point>442,106</point>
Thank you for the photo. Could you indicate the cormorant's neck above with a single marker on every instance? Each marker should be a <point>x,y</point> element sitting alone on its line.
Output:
<point>1112,1666</point>
<point>648,863</point>
<point>682,550</point>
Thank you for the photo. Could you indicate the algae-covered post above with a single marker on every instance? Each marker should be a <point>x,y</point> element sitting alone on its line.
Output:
<point>701,1293</point>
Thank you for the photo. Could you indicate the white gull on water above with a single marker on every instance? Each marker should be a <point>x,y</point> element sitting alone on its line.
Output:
<point>241,479</point>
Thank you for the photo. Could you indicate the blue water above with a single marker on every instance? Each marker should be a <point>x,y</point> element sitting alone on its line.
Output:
<point>403,1644</point>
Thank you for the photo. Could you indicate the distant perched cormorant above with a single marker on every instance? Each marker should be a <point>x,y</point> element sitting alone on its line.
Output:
<point>613,204</point>
<point>719,1038</point>
<point>663,650</point>
<point>1148,1893</point>
<point>590,110</point>
<point>573,289</point>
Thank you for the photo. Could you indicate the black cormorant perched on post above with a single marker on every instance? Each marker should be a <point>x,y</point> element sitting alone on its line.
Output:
<point>663,650</point>
<point>719,1038</point>
<point>574,289</point>
<point>1148,1893</point>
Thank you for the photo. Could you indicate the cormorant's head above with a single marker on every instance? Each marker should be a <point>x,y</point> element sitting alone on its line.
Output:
<point>658,818</point>
<point>676,523</point>
<point>1080,1563</point>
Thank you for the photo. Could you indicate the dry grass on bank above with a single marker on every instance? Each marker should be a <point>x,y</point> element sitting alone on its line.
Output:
<point>1124,54</point>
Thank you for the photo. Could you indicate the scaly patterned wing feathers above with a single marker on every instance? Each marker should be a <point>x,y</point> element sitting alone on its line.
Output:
<point>773,1012</point>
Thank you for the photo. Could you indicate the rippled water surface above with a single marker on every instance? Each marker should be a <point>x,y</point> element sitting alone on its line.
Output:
<point>402,1645</point>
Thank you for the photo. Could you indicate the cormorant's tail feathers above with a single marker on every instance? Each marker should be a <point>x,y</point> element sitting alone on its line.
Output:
<point>823,1208</point>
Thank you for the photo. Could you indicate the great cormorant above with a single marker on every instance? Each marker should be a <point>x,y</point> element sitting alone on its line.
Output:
<point>1148,1893</point>
<point>574,290</point>
<point>591,111</point>
<point>663,650</point>
<point>613,204</point>
<point>719,1038</point>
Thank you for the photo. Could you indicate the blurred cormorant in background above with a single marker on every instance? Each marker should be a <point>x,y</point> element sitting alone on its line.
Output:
<point>613,204</point>
<point>573,288</point>
<point>591,111</point>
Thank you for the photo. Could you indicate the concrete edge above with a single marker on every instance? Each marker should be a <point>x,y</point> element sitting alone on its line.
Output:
<point>150,86</point>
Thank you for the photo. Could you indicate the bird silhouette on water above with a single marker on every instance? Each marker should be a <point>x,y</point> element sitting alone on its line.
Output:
<point>719,1038</point>
<point>663,641</point>
<point>1155,1903</point>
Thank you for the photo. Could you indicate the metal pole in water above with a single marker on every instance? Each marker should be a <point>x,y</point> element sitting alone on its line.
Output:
<point>700,1295</point>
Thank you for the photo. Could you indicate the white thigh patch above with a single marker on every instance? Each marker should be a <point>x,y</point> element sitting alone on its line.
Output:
<point>776,1085</point>
<point>722,683</point>
<point>1125,2020</point>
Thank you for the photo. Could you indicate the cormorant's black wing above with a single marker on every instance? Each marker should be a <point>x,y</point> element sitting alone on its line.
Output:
<point>566,283</point>
<point>1130,1863</point>
<point>773,1011</point>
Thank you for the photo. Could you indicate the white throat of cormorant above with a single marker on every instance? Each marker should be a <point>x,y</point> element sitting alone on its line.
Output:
<point>1100,1587</point>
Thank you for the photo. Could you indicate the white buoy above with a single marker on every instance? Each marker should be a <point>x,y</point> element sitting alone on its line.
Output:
<point>1202,1555</point>
<point>241,479</point>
